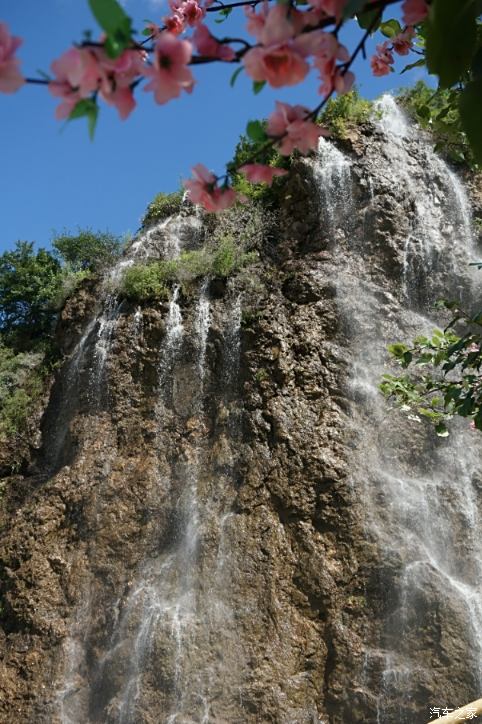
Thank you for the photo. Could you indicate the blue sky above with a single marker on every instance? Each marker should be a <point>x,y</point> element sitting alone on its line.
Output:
<point>54,178</point>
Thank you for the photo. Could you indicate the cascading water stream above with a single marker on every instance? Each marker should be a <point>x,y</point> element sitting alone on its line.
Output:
<point>333,177</point>
<point>175,605</point>
<point>420,496</point>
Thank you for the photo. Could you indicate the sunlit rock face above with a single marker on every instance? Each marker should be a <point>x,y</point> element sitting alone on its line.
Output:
<point>225,523</point>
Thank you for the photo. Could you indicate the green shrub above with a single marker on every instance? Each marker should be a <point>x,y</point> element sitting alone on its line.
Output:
<point>162,206</point>
<point>22,378</point>
<point>438,112</point>
<point>88,250</point>
<point>270,156</point>
<point>228,258</point>
<point>70,281</point>
<point>345,111</point>
<point>145,282</point>
<point>151,281</point>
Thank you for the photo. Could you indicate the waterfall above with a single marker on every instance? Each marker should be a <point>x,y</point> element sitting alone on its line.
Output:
<point>170,612</point>
<point>420,495</point>
<point>201,327</point>
<point>174,606</point>
<point>438,232</point>
<point>333,178</point>
<point>226,522</point>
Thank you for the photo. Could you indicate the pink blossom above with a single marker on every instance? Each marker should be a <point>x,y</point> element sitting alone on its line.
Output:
<point>282,23</point>
<point>473,347</point>
<point>279,65</point>
<point>472,425</point>
<point>313,17</point>
<point>381,63</point>
<point>204,191</point>
<point>325,46</point>
<point>116,77</point>
<point>169,73</point>
<point>402,43</point>
<point>174,23</point>
<point>208,46</point>
<point>192,12</point>
<point>258,173</point>
<point>343,82</point>
<point>331,7</point>
<point>327,50</point>
<point>414,11</point>
<point>76,77</point>
<point>256,20</point>
<point>290,122</point>
<point>11,78</point>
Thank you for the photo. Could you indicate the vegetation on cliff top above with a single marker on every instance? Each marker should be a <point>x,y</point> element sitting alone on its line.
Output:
<point>344,112</point>
<point>162,206</point>
<point>435,111</point>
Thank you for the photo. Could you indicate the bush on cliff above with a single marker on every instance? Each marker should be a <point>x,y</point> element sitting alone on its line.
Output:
<point>345,111</point>
<point>162,206</point>
<point>22,377</point>
<point>35,284</point>
<point>151,281</point>
<point>245,149</point>
<point>438,112</point>
<point>87,250</point>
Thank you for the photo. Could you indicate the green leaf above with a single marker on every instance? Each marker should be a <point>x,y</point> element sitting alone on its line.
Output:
<point>478,419</point>
<point>225,13</point>
<point>398,349</point>
<point>471,115</point>
<point>116,24</point>
<point>367,19</point>
<point>441,430</point>
<point>451,39</point>
<point>89,109</point>
<point>391,28</point>
<point>467,406</point>
<point>406,359</point>
<point>255,131</point>
<point>234,77</point>
<point>258,86</point>
<point>411,66</point>
<point>352,7</point>
<point>424,112</point>
<point>477,63</point>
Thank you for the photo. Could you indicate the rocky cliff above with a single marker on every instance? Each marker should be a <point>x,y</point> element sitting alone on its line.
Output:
<point>223,521</point>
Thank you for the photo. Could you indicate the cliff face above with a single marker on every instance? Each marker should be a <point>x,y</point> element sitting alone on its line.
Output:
<point>224,524</point>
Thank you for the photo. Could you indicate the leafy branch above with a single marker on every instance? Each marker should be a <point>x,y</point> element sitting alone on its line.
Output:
<point>445,377</point>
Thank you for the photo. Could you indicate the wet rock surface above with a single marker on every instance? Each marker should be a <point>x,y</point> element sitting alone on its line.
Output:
<point>208,532</point>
